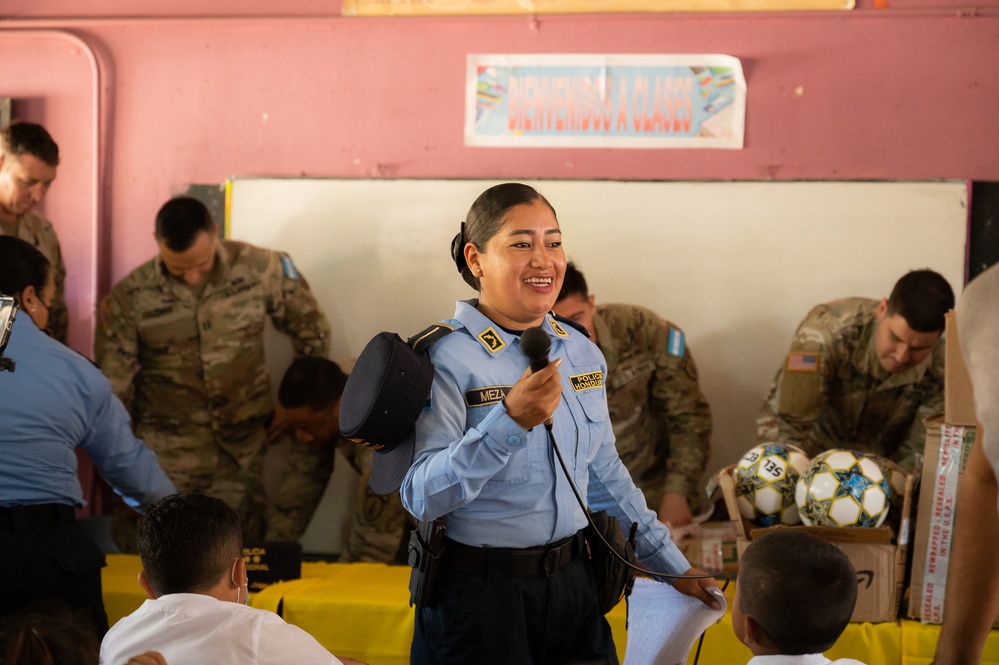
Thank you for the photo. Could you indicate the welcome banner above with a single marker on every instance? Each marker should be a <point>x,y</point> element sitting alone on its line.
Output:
<point>606,101</point>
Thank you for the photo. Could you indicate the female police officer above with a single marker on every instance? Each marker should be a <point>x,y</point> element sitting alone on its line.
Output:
<point>513,587</point>
<point>54,402</point>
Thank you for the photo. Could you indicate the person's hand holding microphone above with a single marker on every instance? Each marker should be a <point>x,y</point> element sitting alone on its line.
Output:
<point>538,392</point>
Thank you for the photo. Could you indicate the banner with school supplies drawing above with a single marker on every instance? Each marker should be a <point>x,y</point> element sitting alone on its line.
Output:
<point>605,101</point>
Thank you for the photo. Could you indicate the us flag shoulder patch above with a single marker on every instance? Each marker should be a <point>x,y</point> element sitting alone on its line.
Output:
<point>802,362</point>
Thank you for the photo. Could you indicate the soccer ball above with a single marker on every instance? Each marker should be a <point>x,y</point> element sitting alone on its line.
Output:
<point>764,483</point>
<point>843,488</point>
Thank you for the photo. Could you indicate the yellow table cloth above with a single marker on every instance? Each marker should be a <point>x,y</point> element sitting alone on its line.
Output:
<point>361,610</point>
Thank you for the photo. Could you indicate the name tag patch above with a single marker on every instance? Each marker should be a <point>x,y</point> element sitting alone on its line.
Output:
<point>628,374</point>
<point>485,396</point>
<point>581,382</point>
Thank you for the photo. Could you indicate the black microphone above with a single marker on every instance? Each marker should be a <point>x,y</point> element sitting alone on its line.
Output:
<point>536,345</point>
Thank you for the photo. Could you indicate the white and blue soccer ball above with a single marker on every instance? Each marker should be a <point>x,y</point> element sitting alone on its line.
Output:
<point>765,480</point>
<point>843,488</point>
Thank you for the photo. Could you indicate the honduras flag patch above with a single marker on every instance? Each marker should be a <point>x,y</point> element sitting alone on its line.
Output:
<point>288,267</point>
<point>676,344</point>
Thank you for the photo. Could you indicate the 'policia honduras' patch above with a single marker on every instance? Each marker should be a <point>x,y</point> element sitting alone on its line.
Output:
<point>588,381</point>
<point>486,395</point>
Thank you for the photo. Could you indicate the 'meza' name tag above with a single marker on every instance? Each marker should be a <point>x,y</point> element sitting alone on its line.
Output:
<point>581,382</point>
<point>485,396</point>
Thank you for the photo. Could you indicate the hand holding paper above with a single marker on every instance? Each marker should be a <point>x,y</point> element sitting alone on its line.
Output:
<point>664,623</point>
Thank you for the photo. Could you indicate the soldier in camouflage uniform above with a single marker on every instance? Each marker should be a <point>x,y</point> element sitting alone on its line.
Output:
<point>181,339</point>
<point>309,399</point>
<point>863,373</point>
<point>28,161</point>
<point>662,422</point>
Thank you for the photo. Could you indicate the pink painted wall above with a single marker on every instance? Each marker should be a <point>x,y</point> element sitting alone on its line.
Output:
<point>51,76</point>
<point>908,92</point>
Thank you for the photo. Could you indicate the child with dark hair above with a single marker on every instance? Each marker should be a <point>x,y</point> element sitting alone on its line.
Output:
<point>48,632</point>
<point>194,573</point>
<point>794,597</point>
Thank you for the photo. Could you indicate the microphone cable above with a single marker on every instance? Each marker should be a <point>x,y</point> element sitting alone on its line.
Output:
<point>617,555</point>
<point>536,345</point>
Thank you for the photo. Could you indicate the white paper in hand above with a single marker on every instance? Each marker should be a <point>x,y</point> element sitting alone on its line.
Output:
<point>664,624</point>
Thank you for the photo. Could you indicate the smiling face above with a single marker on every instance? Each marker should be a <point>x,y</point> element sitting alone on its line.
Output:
<point>520,269</point>
<point>24,180</point>
<point>898,346</point>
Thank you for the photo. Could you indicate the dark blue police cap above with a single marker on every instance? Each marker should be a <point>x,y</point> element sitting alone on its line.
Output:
<point>383,397</point>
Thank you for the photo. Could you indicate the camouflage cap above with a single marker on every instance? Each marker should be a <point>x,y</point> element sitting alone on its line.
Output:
<point>383,397</point>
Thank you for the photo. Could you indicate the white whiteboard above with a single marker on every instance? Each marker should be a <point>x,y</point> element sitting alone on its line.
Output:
<point>735,264</point>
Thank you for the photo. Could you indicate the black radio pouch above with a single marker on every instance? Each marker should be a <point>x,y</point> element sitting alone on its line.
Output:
<point>426,548</point>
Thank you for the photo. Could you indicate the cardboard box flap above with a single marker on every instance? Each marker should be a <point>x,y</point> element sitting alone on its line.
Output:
<point>947,449</point>
<point>864,535</point>
<point>727,483</point>
<point>905,527</point>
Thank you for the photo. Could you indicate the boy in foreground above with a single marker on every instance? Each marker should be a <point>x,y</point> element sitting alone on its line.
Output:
<point>794,597</point>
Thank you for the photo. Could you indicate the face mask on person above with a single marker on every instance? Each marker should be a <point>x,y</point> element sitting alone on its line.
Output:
<point>48,313</point>
<point>246,596</point>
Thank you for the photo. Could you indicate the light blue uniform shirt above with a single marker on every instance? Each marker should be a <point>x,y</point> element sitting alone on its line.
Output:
<point>501,485</point>
<point>53,402</point>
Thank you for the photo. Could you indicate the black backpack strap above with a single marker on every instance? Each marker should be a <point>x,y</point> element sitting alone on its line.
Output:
<point>569,322</point>
<point>423,340</point>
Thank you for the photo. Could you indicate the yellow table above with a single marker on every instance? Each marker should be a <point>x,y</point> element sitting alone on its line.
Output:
<point>361,610</point>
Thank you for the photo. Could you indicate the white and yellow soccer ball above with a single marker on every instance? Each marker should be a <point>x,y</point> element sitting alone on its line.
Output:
<point>843,488</point>
<point>765,479</point>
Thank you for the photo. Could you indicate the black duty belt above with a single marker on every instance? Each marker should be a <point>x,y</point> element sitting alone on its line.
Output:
<point>24,518</point>
<point>523,562</point>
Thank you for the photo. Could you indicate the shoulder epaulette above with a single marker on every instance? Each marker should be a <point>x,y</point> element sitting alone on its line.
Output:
<point>428,337</point>
<point>575,324</point>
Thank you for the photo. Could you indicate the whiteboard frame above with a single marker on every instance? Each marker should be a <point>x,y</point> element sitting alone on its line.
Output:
<point>735,264</point>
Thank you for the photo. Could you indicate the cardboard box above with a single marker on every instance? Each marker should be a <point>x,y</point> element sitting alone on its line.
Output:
<point>959,399</point>
<point>945,458</point>
<point>713,548</point>
<point>880,560</point>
